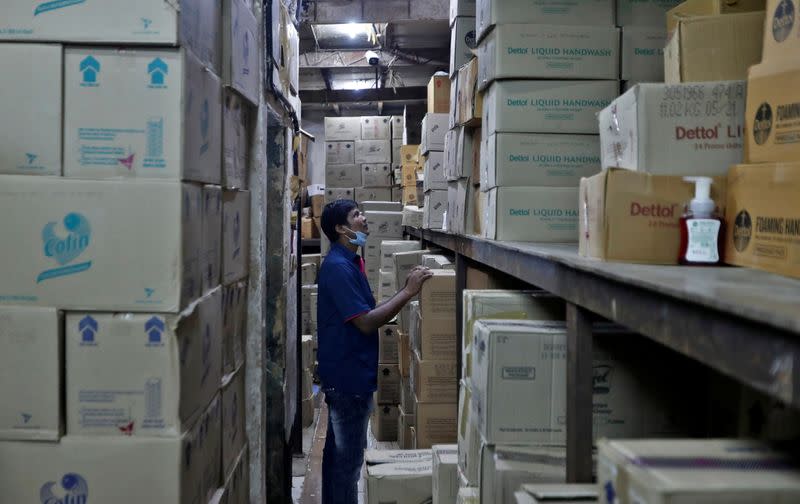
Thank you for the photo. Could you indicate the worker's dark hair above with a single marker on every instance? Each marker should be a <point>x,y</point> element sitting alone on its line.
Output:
<point>335,213</point>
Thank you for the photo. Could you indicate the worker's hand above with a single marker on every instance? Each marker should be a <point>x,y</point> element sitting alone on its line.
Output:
<point>416,278</point>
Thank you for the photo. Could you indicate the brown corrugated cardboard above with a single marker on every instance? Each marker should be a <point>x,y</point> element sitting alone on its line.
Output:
<point>388,340</point>
<point>362,194</point>
<point>634,217</point>
<point>407,400</point>
<point>470,100</point>
<point>388,384</point>
<point>340,153</point>
<point>435,338</point>
<point>409,154</point>
<point>691,8</point>
<point>439,94</point>
<point>643,53</point>
<point>384,422</point>
<point>435,424</point>
<point>438,295</point>
<point>404,354</point>
<point>337,194</point>
<point>31,369</point>
<point>548,12</point>
<point>773,109</point>
<point>670,472</point>
<point>538,214</point>
<point>643,12</point>
<point>376,128</point>
<point>342,128</point>
<point>434,381</point>
<point>404,425</point>
<point>343,175</point>
<point>377,175</point>
<point>401,483</point>
<point>713,48</point>
<point>763,217</point>
<point>413,195</point>
<point>781,30</point>
<point>434,209</point>
<point>383,224</point>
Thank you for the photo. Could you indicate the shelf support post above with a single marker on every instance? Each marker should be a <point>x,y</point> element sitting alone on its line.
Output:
<point>579,395</point>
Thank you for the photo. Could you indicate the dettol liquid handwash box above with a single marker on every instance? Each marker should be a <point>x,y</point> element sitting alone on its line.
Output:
<point>538,214</point>
<point>100,245</point>
<point>546,106</point>
<point>141,113</point>
<point>524,51</point>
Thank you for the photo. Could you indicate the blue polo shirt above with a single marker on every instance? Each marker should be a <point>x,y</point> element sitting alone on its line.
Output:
<point>348,358</point>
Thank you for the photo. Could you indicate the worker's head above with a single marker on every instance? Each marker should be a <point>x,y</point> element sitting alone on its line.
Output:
<point>342,220</point>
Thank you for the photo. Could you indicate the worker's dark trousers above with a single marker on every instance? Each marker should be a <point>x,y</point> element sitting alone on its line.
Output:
<point>345,442</point>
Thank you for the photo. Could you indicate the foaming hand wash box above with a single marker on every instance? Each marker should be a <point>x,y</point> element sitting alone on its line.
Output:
<point>130,245</point>
<point>141,113</point>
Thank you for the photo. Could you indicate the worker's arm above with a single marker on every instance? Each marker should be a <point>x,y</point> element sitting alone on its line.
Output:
<point>382,314</point>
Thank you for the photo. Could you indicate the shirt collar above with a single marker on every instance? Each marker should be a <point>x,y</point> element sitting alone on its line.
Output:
<point>346,252</point>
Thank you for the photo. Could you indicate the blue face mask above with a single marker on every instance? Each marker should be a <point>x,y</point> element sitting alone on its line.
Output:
<point>360,240</point>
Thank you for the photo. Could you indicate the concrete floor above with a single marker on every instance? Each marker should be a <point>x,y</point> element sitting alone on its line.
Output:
<point>307,469</point>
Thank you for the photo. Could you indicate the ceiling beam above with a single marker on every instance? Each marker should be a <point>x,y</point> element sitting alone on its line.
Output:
<point>377,11</point>
<point>347,59</point>
<point>364,95</point>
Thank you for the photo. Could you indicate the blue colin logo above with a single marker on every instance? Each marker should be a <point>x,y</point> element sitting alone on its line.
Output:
<point>55,5</point>
<point>31,157</point>
<point>65,250</point>
<point>26,418</point>
<point>75,490</point>
<point>154,328</point>
<point>157,70</point>
<point>88,328</point>
<point>146,23</point>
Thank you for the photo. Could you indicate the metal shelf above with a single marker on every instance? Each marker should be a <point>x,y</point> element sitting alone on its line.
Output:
<point>744,323</point>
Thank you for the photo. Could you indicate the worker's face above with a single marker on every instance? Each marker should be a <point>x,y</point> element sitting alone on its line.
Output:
<point>357,221</point>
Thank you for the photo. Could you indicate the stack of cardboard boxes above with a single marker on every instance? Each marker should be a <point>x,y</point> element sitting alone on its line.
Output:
<point>539,126</point>
<point>308,322</point>
<point>385,221</point>
<point>411,176</point>
<point>434,129</point>
<point>124,178</point>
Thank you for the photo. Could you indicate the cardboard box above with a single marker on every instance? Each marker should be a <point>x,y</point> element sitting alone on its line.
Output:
<point>434,381</point>
<point>376,128</point>
<point>468,495</point>
<point>71,253</point>
<point>435,424</point>
<point>308,274</point>
<point>404,355</point>
<point>398,125</point>
<point>683,129</point>
<point>31,374</point>
<point>412,215</point>
<point>438,296</point>
<point>156,132</point>
<point>743,470</point>
<point>388,340</point>
<point>470,100</point>
<point>461,8</point>
<point>235,140</point>
<point>781,32</point>
<point>409,154</point>
<point>445,473</point>
<point>342,129</point>
<point>437,262</point>
<point>519,359</point>
<point>377,175</point>
<point>386,286</point>
<point>384,422</point>
<point>373,151</point>
<point>400,483</point>
<point>434,127</point>
<point>124,375</point>
<point>404,262</point>
<point>438,95</point>
<point>391,247</point>
<point>195,25</point>
<point>643,12</point>
<point>79,466</point>
<point>462,43</point>
<point>235,236</point>
<point>31,143</point>
<point>469,439</point>
<point>450,145</point>
<point>505,468</point>
<point>338,193</point>
<point>407,400</point>
<point>643,53</point>
<point>547,12</point>
<point>433,173</point>
<point>773,102</point>
<point>540,214</point>
<point>381,206</point>
<point>373,194</point>
<point>565,493</point>
<point>503,304</point>
<point>518,159</point>
<point>434,209</point>
<point>617,205</point>
<point>405,423</point>
<point>525,51</point>
<point>388,384</point>
<point>234,326</point>
<point>340,153</point>
<point>694,8</point>
<point>545,106</point>
<point>234,436</point>
<point>338,176</point>
<point>468,154</point>
<point>435,339</point>
<point>385,224</point>
<point>714,48</point>
<point>211,255</point>
<point>240,57</point>
<point>763,217</point>
<point>377,456</point>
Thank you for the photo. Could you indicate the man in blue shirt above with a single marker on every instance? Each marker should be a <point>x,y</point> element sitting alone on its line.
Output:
<point>347,328</point>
